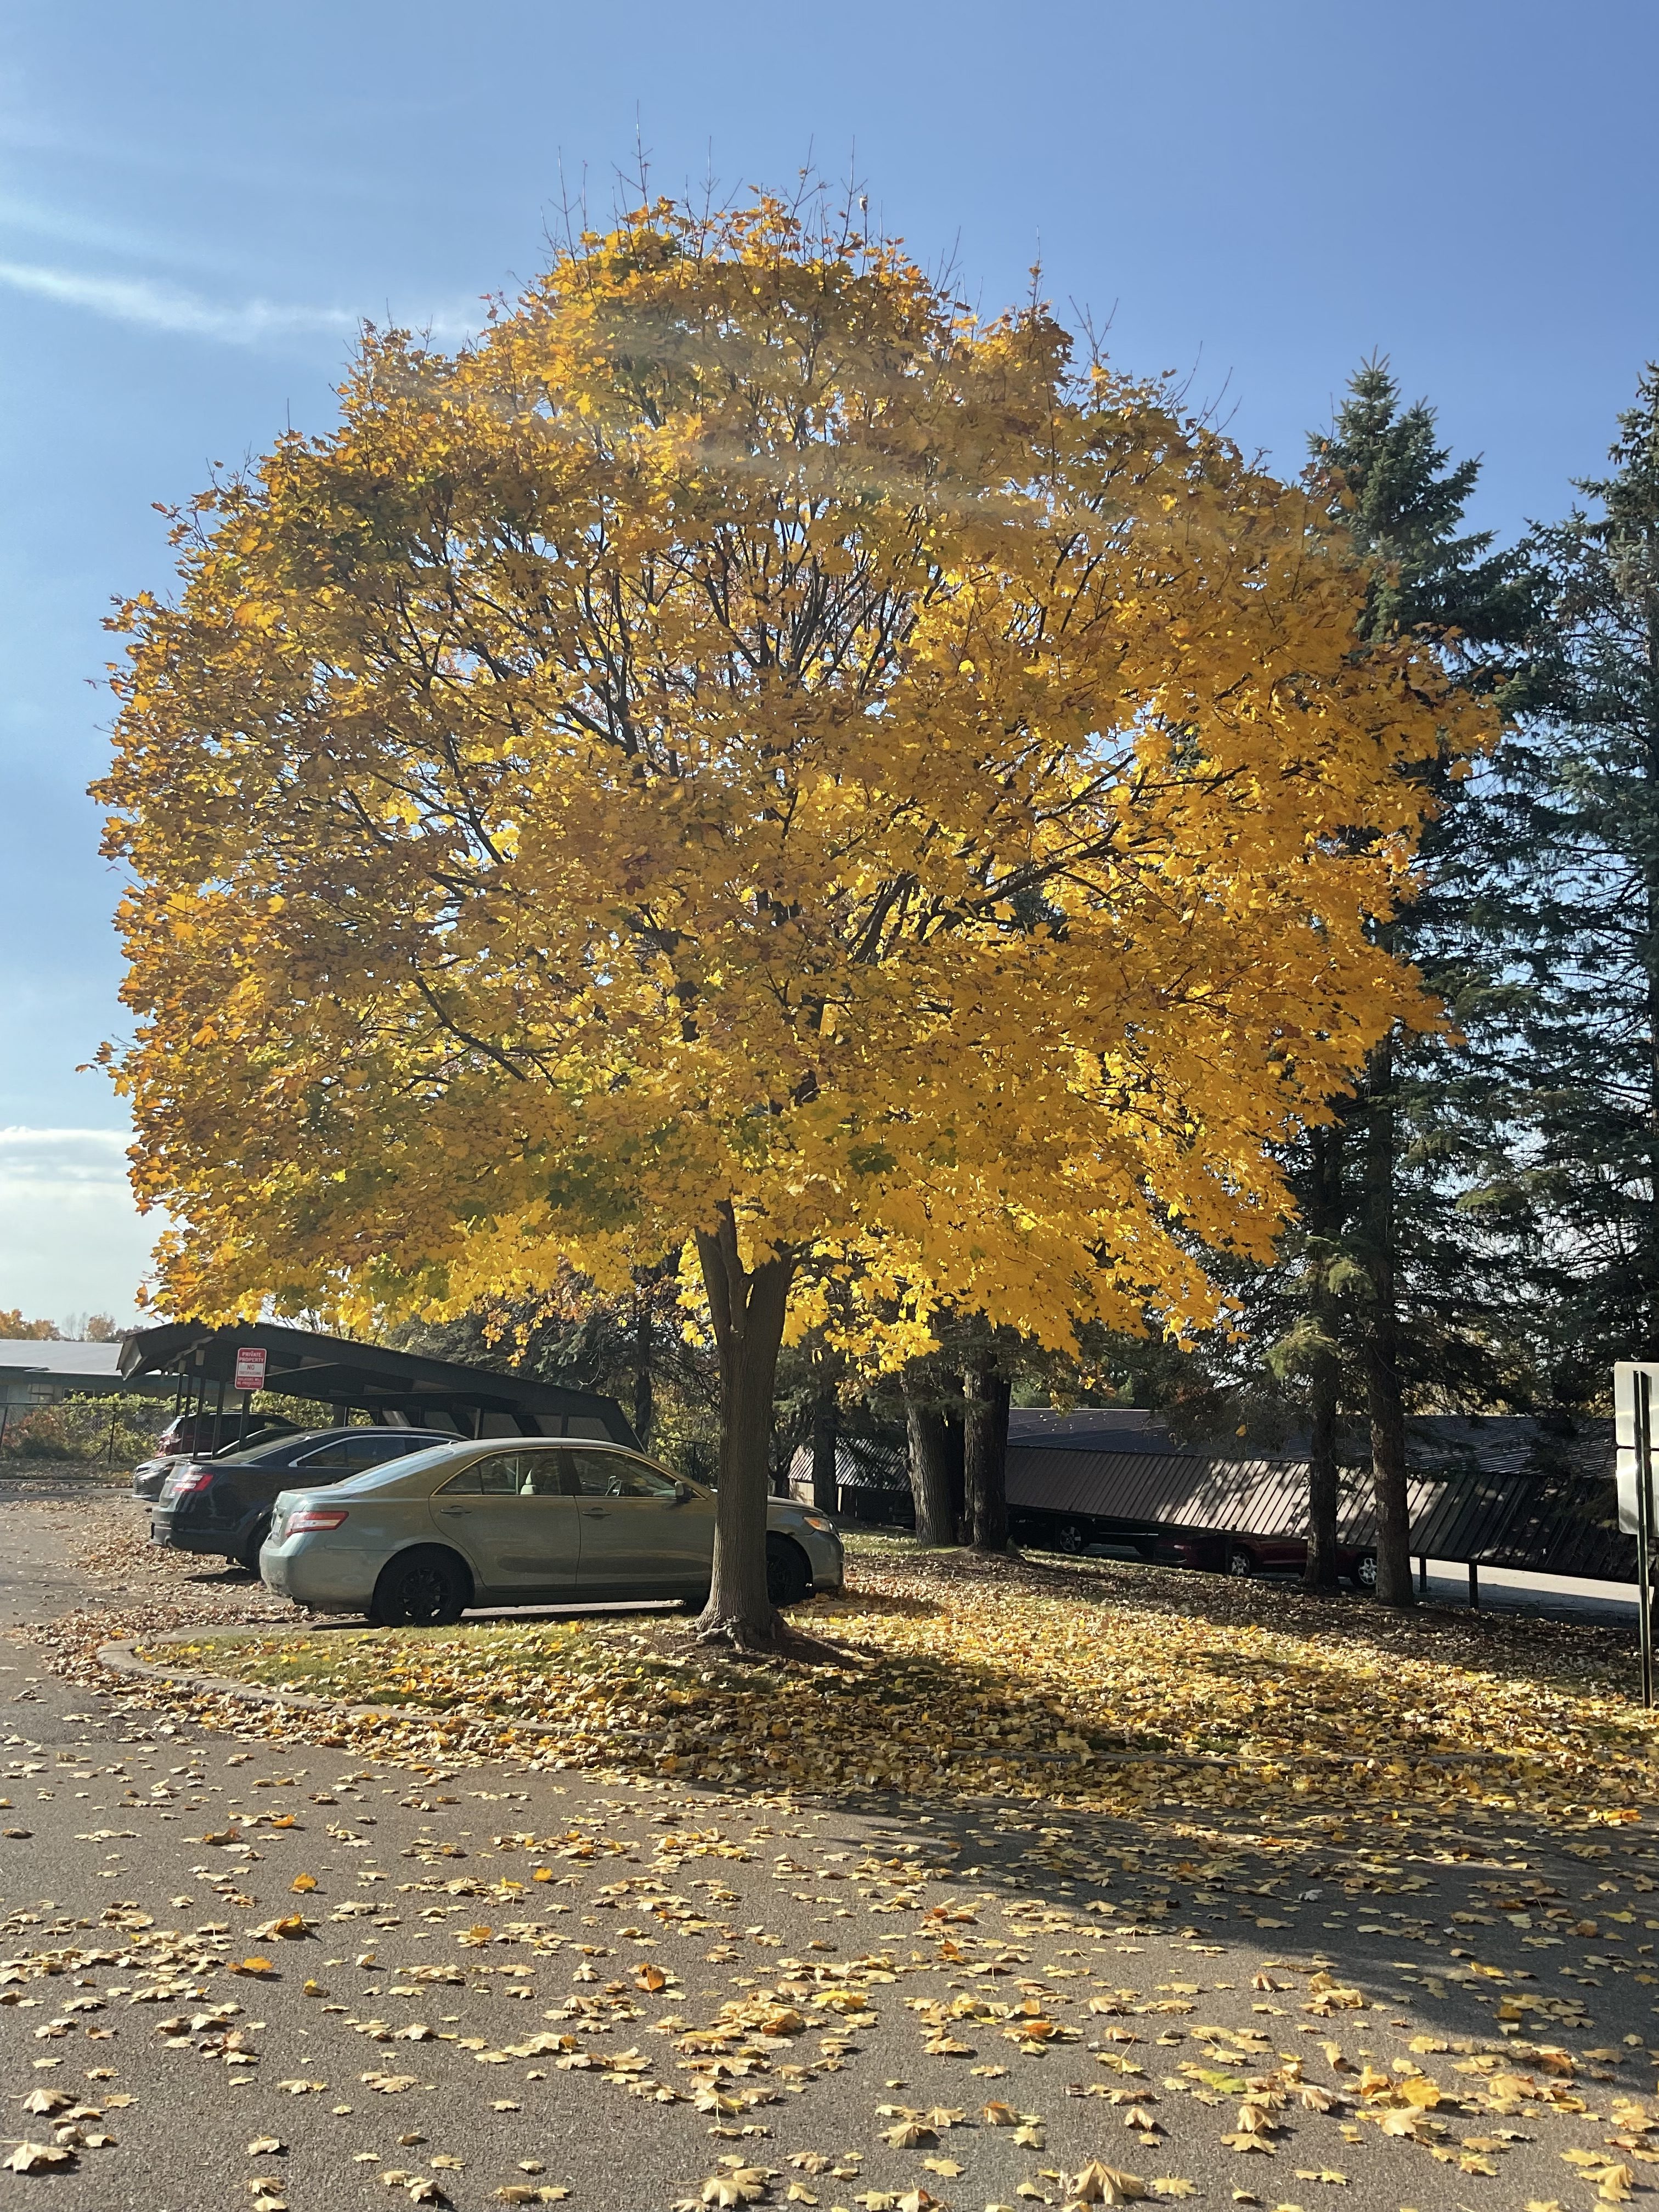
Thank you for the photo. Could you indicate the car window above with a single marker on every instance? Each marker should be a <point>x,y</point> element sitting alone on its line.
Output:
<point>551,1473</point>
<point>614,1475</point>
<point>367,1449</point>
<point>501,1475</point>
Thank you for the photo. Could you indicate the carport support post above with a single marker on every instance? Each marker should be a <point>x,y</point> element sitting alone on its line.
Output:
<point>1645,1528</point>
<point>1475,1586</point>
<point>1422,1578</point>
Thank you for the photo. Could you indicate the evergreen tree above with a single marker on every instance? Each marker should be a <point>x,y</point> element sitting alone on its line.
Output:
<point>1584,796</point>
<point>1380,1185</point>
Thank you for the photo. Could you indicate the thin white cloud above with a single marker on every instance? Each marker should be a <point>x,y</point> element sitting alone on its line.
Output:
<point>71,1240</point>
<point>168,307</point>
<point>68,228</point>
<point>63,1156</point>
<point>141,300</point>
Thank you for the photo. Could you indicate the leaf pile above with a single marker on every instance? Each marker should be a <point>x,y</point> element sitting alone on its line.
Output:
<point>1090,1686</point>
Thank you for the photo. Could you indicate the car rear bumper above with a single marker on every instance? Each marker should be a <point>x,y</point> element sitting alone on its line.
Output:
<point>328,1578</point>
<point>184,1535</point>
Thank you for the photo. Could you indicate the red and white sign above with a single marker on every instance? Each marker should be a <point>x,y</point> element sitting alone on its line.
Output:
<point>250,1367</point>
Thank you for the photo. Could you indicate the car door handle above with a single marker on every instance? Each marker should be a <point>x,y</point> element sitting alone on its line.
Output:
<point>596,1513</point>
<point>454,1512</point>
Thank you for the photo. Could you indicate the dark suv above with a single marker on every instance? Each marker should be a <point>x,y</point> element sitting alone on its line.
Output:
<point>223,1503</point>
<point>177,1443</point>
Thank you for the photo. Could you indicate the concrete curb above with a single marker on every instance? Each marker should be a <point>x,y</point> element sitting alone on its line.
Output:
<point>123,1658</point>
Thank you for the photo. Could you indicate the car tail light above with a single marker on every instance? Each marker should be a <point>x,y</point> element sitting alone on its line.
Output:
<point>314,1517</point>
<point>189,1479</point>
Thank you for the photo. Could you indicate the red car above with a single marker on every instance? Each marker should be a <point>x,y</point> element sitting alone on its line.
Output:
<point>1288,1555</point>
<point>205,1433</point>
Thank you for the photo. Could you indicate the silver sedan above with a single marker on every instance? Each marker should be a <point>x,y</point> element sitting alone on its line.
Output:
<point>538,1523</point>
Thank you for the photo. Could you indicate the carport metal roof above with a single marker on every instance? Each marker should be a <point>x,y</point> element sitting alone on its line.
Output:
<point>397,1387</point>
<point>1548,1519</point>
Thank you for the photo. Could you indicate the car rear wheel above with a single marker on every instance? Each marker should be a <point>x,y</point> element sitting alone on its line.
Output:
<point>1365,1575</point>
<point>425,1589</point>
<point>248,1557</point>
<point>1071,1538</point>
<point>789,1578</point>
<point>1241,1563</point>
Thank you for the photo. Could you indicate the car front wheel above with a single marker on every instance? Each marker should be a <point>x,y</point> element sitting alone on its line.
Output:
<point>789,1578</point>
<point>1241,1563</point>
<point>426,1588</point>
<point>1365,1575</point>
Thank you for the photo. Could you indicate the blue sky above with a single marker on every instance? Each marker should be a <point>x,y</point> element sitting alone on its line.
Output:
<point>197,202</point>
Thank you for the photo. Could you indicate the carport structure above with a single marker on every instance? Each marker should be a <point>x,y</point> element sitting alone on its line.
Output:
<point>398,1390</point>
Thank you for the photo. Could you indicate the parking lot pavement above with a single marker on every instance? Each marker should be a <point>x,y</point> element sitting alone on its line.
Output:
<point>521,1981</point>
<point>1557,1597</point>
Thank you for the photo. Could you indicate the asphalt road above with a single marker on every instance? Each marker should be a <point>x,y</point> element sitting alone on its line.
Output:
<point>541,1928</point>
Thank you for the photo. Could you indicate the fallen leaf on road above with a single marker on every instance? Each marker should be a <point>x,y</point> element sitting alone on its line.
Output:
<point>1104,2185</point>
<point>38,2158</point>
<point>736,2183</point>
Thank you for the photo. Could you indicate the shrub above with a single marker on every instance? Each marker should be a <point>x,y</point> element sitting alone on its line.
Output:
<point>79,1428</point>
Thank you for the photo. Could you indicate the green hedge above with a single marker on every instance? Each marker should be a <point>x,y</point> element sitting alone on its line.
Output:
<point>79,1428</point>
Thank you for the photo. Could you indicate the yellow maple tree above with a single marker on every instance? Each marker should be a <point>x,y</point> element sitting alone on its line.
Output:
<point>748,755</point>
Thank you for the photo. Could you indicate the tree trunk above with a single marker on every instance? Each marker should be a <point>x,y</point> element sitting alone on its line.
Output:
<point>1382,1333</point>
<point>644,1404</point>
<point>826,1488</point>
<point>1325,1226</point>
<point>748,1306</point>
<point>985,1395</point>
<point>930,1471</point>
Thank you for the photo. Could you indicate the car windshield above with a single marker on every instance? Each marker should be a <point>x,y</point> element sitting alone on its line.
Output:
<point>269,1448</point>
